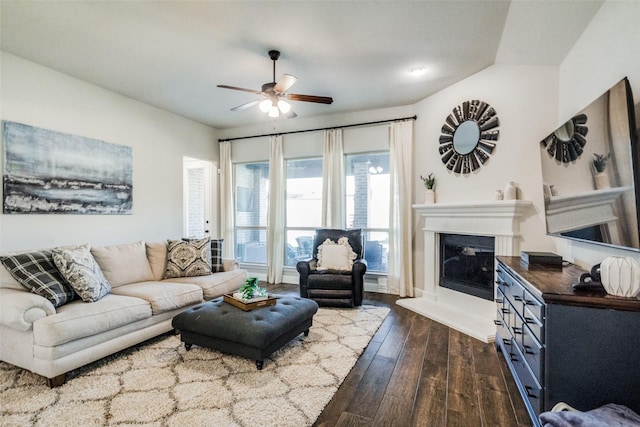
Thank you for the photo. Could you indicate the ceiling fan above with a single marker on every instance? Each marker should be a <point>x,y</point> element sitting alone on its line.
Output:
<point>276,94</point>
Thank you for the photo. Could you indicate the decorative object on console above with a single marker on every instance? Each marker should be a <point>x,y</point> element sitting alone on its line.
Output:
<point>468,136</point>
<point>541,258</point>
<point>429,188</point>
<point>499,195</point>
<point>620,276</point>
<point>567,142</point>
<point>599,175</point>
<point>48,172</point>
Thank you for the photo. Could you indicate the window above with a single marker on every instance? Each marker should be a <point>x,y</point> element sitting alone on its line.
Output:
<point>252,203</point>
<point>303,208</point>
<point>367,205</point>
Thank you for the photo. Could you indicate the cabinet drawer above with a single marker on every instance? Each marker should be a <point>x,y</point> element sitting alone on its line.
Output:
<point>529,387</point>
<point>534,308</point>
<point>532,352</point>
<point>502,327</point>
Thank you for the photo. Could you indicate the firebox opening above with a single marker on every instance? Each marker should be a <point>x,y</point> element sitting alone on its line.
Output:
<point>467,264</point>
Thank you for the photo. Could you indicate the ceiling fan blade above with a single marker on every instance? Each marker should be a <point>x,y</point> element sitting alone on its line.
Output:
<point>310,98</point>
<point>241,88</point>
<point>285,82</point>
<point>247,105</point>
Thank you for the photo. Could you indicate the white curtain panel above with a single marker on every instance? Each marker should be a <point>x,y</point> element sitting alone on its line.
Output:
<point>400,274</point>
<point>226,200</point>
<point>275,218</point>
<point>333,188</point>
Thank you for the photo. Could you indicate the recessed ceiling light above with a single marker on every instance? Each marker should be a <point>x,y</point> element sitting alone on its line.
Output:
<point>418,71</point>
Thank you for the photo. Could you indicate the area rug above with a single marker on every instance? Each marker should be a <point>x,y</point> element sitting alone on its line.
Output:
<point>159,383</point>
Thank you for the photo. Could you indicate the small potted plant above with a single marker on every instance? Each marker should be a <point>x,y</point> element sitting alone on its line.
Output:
<point>600,177</point>
<point>250,290</point>
<point>430,186</point>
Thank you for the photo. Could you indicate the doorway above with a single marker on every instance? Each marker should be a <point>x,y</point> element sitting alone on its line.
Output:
<point>199,203</point>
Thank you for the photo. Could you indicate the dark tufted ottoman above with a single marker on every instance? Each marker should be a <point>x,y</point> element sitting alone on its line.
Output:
<point>253,334</point>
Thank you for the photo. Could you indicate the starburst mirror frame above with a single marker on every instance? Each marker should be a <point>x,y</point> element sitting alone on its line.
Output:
<point>567,142</point>
<point>469,136</point>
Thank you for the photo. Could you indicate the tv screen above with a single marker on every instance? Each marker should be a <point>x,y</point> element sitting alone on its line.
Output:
<point>590,173</point>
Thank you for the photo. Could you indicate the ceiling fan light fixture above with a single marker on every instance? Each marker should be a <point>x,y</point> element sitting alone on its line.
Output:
<point>273,111</point>
<point>284,106</point>
<point>265,105</point>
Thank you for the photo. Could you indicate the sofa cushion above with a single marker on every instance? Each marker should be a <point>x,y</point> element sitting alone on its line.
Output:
<point>78,320</point>
<point>188,258</point>
<point>163,296</point>
<point>214,285</point>
<point>157,256</point>
<point>123,264</point>
<point>83,273</point>
<point>37,272</point>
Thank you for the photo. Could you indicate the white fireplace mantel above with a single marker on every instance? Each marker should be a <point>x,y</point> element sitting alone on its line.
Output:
<point>499,219</point>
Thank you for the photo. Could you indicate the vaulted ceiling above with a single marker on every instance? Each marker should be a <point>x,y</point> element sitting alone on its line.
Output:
<point>172,54</point>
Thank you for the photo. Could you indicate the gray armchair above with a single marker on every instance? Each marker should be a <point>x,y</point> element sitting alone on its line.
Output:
<point>334,287</point>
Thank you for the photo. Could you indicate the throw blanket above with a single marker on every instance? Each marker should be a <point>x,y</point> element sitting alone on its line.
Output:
<point>610,415</point>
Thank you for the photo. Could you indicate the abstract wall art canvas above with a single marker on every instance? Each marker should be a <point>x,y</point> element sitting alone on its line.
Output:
<point>48,172</point>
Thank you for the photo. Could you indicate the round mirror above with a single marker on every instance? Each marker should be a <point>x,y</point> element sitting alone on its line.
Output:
<point>466,136</point>
<point>469,136</point>
<point>567,142</point>
<point>565,132</point>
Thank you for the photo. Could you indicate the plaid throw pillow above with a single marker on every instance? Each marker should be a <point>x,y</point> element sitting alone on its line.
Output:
<point>37,272</point>
<point>216,255</point>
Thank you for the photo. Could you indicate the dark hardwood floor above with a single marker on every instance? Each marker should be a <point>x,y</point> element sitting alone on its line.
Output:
<point>417,372</point>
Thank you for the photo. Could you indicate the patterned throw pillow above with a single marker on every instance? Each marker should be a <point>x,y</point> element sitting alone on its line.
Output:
<point>216,255</point>
<point>82,272</point>
<point>37,272</point>
<point>188,258</point>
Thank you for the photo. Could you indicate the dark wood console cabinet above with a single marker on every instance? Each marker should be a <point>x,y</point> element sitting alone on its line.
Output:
<point>561,345</point>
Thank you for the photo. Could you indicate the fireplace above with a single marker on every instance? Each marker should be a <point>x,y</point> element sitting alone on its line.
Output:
<point>498,220</point>
<point>467,264</point>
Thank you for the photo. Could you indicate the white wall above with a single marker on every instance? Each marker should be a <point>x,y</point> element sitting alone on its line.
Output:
<point>608,50</point>
<point>41,97</point>
<point>525,100</point>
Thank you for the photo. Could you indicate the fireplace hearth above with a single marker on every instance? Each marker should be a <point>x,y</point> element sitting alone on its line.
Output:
<point>467,264</point>
<point>498,220</point>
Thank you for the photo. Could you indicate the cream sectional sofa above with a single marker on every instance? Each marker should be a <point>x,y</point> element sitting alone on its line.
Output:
<point>51,341</point>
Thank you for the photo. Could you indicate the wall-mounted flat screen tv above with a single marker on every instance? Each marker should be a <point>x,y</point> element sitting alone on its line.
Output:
<point>590,173</point>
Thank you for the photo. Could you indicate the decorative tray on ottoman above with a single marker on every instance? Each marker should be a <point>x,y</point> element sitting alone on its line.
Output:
<point>248,305</point>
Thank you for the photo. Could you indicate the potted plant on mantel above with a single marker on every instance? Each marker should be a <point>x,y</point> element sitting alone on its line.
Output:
<point>600,177</point>
<point>430,187</point>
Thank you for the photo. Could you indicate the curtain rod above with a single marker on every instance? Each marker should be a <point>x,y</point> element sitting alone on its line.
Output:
<point>319,129</point>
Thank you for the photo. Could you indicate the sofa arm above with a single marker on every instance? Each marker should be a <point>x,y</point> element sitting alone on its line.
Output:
<point>230,264</point>
<point>19,309</point>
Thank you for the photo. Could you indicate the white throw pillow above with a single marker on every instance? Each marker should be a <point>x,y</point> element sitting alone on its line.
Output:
<point>336,256</point>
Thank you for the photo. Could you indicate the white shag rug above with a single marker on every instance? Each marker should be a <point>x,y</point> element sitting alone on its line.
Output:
<point>159,383</point>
